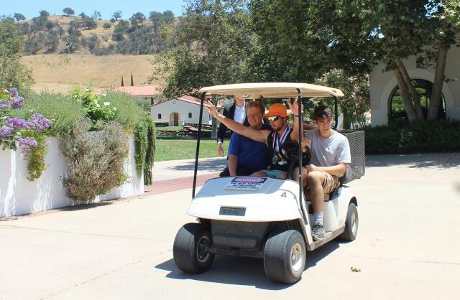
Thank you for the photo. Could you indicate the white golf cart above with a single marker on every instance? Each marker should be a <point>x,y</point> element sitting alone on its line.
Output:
<point>264,217</point>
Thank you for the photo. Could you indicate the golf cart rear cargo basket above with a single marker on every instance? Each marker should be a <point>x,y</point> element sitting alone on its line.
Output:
<point>357,167</point>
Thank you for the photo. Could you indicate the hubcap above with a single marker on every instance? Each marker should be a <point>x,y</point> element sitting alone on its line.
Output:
<point>296,256</point>
<point>201,253</point>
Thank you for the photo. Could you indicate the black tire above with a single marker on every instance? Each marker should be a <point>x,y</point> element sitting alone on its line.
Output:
<point>351,224</point>
<point>190,248</point>
<point>285,256</point>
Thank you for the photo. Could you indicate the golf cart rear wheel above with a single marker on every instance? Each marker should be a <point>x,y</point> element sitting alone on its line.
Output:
<point>285,256</point>
<point>351,224</point>
<point>190,249</point>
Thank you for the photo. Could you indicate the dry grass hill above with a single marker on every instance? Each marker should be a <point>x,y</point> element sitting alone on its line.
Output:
<point>61,72</point>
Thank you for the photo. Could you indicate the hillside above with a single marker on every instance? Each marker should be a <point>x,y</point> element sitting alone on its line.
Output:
<point>60,72</point>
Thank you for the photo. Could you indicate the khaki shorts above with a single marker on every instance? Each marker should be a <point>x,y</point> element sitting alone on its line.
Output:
<point>331,182</point>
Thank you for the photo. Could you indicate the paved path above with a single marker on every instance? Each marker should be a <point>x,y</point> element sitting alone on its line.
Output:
<point>176,175</point>
<point>407,245</point>
<point>170,185</point>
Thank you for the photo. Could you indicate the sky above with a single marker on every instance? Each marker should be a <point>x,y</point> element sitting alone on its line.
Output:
<point>31,8</point>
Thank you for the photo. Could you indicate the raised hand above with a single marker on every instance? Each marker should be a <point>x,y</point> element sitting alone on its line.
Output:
<point>212,110</point>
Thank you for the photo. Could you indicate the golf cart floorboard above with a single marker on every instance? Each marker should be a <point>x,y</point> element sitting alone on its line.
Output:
<point>329,236</point>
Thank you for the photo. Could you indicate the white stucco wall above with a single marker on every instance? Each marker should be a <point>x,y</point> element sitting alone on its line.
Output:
<point>383,84</point>
<point>168,108</point>
<point>19,196</point>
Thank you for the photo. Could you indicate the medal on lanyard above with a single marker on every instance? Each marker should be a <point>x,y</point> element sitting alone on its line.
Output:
<point>277,142</point>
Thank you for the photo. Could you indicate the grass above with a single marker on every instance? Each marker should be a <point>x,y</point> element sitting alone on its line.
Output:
<point>174,149</point>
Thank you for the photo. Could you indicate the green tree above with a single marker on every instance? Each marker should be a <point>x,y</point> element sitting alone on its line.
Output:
<point>39,22</point>
<point>137,20</point>
<point>212,42</point>
<point>72,43</point>
<point>12,72</point>
<point>68,11</point>
<point>120,30</point>
<point>117,15</point>
<point>19,17</point>
<point>31,45</point>
<point>287,48</point>
<point>158,19</point>
<point>51,41</point>
<point>354,35</point>
<point>355,101</point>
<point>97,15</point>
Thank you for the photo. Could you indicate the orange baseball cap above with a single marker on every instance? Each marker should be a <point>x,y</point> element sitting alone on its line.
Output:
<point>277,109</point>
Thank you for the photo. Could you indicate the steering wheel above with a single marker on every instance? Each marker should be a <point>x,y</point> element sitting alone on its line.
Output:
<point>290,152</point>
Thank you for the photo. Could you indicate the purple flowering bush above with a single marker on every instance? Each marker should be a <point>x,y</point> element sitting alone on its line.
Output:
<point>29,133</point>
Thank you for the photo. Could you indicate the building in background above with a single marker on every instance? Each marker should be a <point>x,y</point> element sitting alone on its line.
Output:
<point>384,89</point>
<point>180,111</point>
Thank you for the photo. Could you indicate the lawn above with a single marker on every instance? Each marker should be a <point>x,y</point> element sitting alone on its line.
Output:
<point>173,149</point>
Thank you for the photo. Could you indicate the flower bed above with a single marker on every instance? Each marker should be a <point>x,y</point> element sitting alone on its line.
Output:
<point>19,196</point>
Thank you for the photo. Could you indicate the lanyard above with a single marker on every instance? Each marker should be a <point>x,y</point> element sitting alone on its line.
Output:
<point>277,142</point>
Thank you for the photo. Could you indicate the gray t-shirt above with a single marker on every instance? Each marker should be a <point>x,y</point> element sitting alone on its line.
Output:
<point>327,152</point>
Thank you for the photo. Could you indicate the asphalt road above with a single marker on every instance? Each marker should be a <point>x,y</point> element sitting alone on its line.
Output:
<point>406,248</point>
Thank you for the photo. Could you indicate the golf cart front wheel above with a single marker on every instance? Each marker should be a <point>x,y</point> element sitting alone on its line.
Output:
<point>190,249</point>
<point>285,256</point>
<point>351,224</point>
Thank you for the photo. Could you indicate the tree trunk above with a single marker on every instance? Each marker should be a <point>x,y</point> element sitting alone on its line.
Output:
<point>412,91</point>
<point>439,76</point>
<point>407,101</point>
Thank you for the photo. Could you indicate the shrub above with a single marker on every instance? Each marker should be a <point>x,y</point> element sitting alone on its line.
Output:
<point>96,108</point>
<point>400,137</point>
<point>134,119</point>
<point>95,160</point>
<point>63,110</point>
<point>128,113</point>
<point>144,141</point>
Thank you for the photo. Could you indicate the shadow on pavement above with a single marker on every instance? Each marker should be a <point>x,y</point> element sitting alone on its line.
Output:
<point>244,271</point>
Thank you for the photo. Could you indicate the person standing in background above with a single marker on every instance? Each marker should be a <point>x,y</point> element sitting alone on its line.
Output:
<point>235,111</point>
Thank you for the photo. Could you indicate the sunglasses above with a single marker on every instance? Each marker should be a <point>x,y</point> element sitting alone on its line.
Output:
<point>273,118</point>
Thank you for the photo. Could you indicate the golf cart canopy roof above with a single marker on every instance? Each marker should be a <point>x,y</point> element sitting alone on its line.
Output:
<point>273,90</point>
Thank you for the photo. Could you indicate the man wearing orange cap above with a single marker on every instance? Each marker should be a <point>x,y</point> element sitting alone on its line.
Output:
<point>280,132</point>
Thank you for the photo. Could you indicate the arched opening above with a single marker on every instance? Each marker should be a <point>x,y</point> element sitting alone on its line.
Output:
<point>396,109</point>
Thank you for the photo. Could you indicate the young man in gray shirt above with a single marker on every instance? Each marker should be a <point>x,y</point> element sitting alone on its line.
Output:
<point>330,158</point>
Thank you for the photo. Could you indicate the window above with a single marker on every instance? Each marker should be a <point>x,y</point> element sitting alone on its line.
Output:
<point>189,115</point>
<point>159,116</point>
